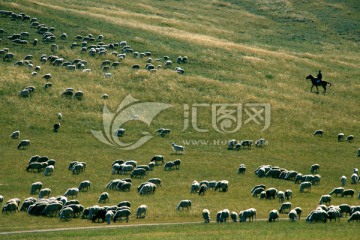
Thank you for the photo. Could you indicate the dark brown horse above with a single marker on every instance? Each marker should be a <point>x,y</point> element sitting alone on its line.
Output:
<point>316,82</point>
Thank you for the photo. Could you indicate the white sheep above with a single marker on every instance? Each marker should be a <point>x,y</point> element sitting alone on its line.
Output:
<point>36,186</point>
<point>23,144</point>
<point>354,178</point>
<point>177,148</point>
<point>341,137</point>
<point>261,142</point>
<point>104,197</point>
<point>122,213</point>
<point>350,138</point>
<point>315,168</point>
<point>195,186</point>
<point>109,216</point>
<point>44,192</point>
<point>325,199</point>
<point>343,180</point>
<point>318,132</point>
<point>15,134</point>
<point>305,185</point>
<point>141,211</point>
<point>248,213</point>
<point>120,132</point>
<point>206,215</point>
<point>84,185</point>
<point>336,191</point>
<point>184,204</point>
<point>66,213</point>
<point>71,192</point>
<point>273,215</point>
<point>49,170</point>
<point>292,215</point>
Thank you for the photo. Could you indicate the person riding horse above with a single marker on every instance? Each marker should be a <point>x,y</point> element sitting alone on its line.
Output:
<point>319,77</point>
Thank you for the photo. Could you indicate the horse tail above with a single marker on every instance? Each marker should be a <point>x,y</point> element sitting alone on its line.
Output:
<point>329,83</point>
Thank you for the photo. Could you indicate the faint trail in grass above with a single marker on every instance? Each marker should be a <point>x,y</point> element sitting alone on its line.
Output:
<point>111,226</point>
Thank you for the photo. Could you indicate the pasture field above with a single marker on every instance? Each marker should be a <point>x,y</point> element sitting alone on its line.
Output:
<point>240,53</point>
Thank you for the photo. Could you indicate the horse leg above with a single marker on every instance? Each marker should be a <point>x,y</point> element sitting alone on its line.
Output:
<point>311,88</point>
<point>317,89</point>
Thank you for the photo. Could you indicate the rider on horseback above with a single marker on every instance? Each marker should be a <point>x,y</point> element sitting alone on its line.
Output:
<point>319,77</point>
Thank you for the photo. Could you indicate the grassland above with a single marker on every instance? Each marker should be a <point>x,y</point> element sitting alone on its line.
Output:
<point>239,52</point>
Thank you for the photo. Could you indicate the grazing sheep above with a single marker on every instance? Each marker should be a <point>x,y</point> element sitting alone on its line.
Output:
<point>23,144</point>
<point>334,213</point>
<point>52,209</point>
<point>77,168</point>
<point>271,193</point>
<point>169,166</point>
<point>285,206</point>
<point>317,215</point>
<point>49,170</point>
<point>260,142</point>
<point>231,144</point>
<point>84,186</point>
<point>141,211</point>
<point>184,204</point>
<point>354,178</point>
<point>241,169</point>
<point>281,196</point>
<point>246,143</point>
<point>206,215</point>
<point>71,192</point>
<point>35,187</point>
<point>248,213</point>
<point>325,199</point>
<point>344,208</point>
<point>354,217</point>
<point>348,192</point>
<point>44,192</point>
<point>222,215</point>
<point>316,179</point>
<point>195,186</point>
<point>138,173</point>
<point>163,132</point>
<point>109,216</point>
<point>10,207</point>
<point>340,137</point>
<point>343,180</point>
<point>56,127</point>
<point>288,194</point>
<point>257,191</point>
<point>350,138</point>
<point>66,213</point>
<point>222,185</point>
<point>273,215</point>
<point>147,188</point>
<point>298,211</point>
<point>258,186</point>
<point>202,189</point>
<point>233,216</point>
<point>100,214</point>
<point>315,168</point>
<point>157,158</point>
<point>177,164</point>
<point>177,148</point>
<point>103,197</point>
<point>292,215</point>
<point>337,191</point>
<point>319,132</point>
<point>15,135</point>
<point>120,132</point>
<point>79,95</point>
<point>305,185</point>
<point>122,213</point>
<point>125,168</point>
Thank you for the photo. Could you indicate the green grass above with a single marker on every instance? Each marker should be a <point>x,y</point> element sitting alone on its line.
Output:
<point>239,52</point>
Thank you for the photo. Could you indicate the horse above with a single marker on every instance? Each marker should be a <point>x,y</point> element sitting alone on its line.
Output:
<point>316,82</point>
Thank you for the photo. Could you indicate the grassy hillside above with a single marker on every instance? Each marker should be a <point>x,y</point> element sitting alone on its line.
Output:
<point>239,52</point>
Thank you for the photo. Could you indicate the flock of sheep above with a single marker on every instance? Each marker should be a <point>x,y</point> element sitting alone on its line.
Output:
<point>65,208</point>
